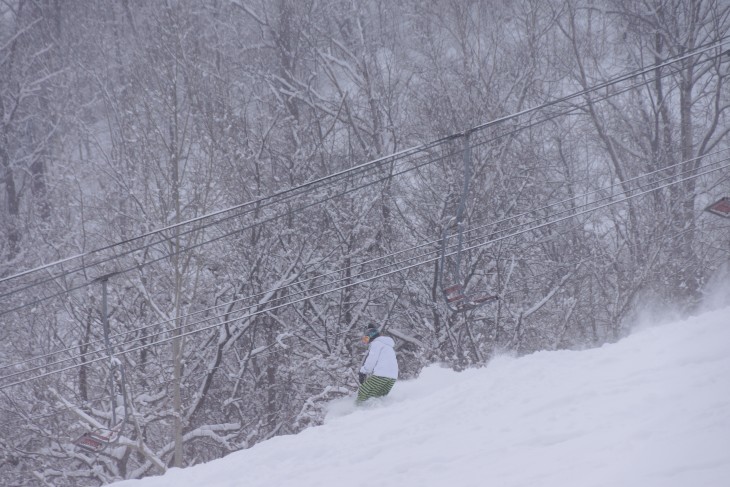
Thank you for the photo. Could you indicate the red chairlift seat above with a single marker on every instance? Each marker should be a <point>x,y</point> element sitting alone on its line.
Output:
<point>96,441</point>
<point>720,207</point>
<point>455,295</point>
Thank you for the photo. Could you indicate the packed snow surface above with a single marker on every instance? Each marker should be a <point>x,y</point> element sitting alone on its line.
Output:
<point>652,410</point>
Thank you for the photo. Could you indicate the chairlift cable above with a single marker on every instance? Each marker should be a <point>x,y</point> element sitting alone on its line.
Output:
<point>360,264</point>
<point>547,206</point>
<point>375,163</point>
<point>352,284</point>
<point>261,222</point>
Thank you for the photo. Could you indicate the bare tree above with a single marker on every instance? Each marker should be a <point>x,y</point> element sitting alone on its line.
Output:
<point>667,126</point>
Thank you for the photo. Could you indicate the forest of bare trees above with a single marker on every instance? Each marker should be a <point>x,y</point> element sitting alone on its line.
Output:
<point>255,181</point>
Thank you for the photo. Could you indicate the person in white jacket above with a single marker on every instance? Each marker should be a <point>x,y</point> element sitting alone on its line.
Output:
<point>379,370</point>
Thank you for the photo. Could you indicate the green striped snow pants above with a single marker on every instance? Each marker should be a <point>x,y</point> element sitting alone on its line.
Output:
<point>374,386</point>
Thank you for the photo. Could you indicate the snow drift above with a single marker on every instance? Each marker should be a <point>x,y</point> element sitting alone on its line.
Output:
<point>650,410</point>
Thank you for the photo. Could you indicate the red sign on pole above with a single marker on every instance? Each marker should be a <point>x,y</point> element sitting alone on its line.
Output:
<point>720,207</point>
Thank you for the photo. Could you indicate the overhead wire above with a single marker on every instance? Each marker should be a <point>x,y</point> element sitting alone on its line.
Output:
<point>66,410</point>
<point>25,417</point>
<point>429,243</point>
<point>432,144</point>
<point>188,248</point>
<point>584,195</point>
<point>602,190</point>
<point>348,172</point>
<point>211,240</point>
<point>351,284</point>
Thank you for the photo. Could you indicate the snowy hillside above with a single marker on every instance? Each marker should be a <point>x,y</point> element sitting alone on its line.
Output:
<point>650,411</point>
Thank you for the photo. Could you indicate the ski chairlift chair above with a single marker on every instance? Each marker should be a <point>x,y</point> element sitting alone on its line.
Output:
<point>98,439</point>
<point>459,301</point>
<point>450,278</point>
<point>455,295</point>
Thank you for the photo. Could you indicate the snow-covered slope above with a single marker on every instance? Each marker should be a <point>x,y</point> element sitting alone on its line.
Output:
<point>652,410</point>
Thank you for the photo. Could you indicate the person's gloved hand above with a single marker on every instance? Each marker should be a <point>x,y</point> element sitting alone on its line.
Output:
<point>361,377</point>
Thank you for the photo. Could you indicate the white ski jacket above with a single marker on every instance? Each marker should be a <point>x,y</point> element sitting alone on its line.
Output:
<point>380,359</point>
